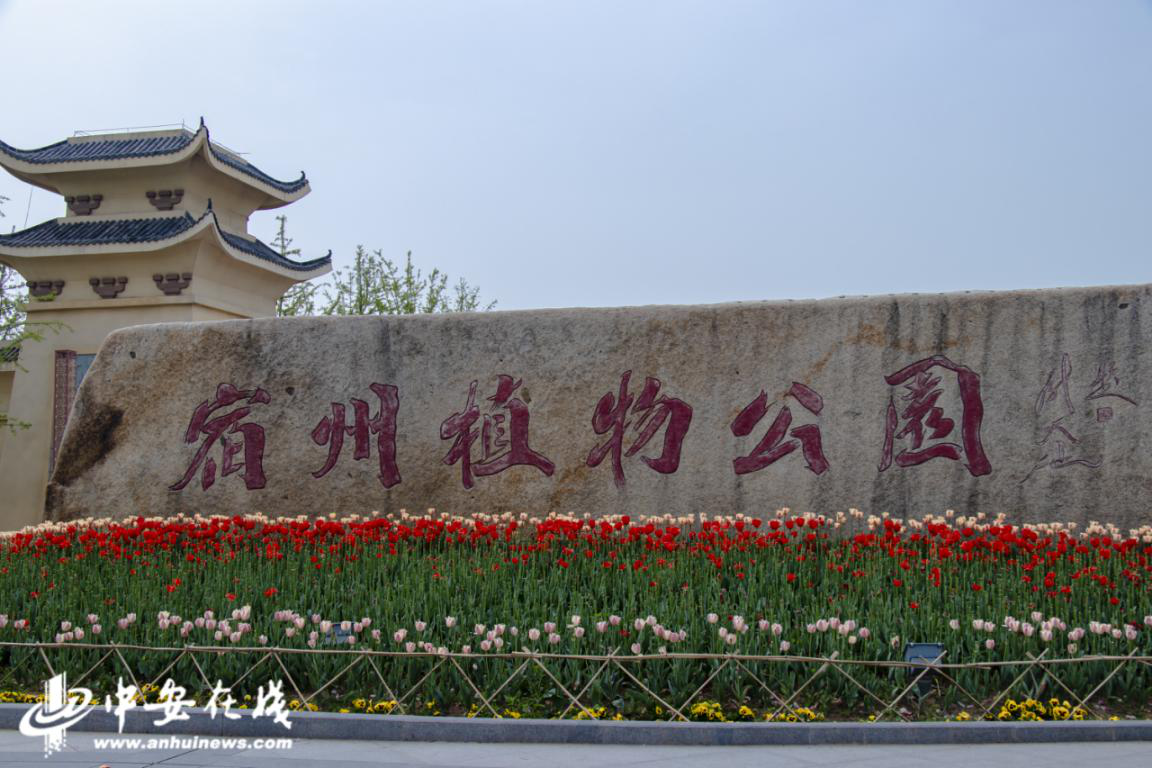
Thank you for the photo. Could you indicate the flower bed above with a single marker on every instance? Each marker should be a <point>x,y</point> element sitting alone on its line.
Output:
<point>780,586</point>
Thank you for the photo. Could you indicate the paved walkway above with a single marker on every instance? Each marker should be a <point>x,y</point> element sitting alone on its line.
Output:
<point>18,750</point>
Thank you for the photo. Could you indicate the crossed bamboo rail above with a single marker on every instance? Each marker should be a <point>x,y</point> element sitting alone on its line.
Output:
<point>944,670</point>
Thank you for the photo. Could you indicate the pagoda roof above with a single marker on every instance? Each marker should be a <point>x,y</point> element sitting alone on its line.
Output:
<point>136,150</point>
<point>151,233</point>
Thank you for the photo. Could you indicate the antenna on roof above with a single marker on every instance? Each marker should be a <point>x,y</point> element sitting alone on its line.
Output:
<point>129,129</point>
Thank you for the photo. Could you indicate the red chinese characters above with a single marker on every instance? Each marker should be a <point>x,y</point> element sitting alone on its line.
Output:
<point>229,431</point>
<point>503,434</point>
<point>922,422</point>
<point>332,429</point>
<point>652,411</point>
<point>774,445</point>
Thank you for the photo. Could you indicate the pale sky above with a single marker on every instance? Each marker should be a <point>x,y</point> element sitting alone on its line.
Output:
<point>616,152</point>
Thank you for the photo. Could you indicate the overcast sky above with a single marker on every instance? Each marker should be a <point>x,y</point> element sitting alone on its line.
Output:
<point>624,152</point>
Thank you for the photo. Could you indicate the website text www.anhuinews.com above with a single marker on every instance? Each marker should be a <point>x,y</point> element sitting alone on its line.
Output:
<point>191,742</point>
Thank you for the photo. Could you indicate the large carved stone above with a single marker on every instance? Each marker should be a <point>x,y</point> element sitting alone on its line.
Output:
<point>1037,405</point>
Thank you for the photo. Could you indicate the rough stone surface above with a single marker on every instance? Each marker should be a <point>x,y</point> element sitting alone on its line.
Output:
<point>1062,378</point>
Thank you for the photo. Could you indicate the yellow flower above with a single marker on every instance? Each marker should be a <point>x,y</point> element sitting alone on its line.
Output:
<point>963,716</point>
<point>359,703</point>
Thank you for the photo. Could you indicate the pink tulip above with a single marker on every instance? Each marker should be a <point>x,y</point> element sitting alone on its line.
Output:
<point>420,626</point>
<point>614,620</point>
<point>533,634</point>
<point>601,627</point>
<point>785,646</point>
<point>990,644</point>
<point>637,649</point>
<point>449,621</point>
<point>410,646</point>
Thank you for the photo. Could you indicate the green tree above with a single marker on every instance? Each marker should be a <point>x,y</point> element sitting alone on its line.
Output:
<point>300,299</point>
<point>13,300</point>
<point>376,285</point>
<point>15,328</point>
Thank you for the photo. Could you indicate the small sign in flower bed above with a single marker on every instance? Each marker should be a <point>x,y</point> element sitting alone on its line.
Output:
<point>781,618</point>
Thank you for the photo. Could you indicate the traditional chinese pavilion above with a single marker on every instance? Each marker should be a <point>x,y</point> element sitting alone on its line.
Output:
<point>155,231</point>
